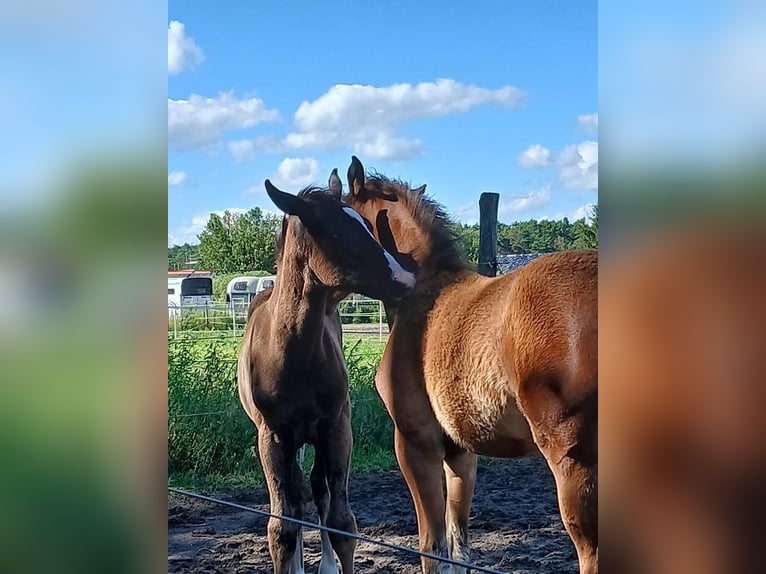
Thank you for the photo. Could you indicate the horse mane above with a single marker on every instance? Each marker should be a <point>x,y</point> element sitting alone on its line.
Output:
<point>428,214</point>
<point>306,191</point>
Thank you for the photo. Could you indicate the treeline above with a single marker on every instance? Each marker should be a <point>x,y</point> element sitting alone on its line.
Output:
<point>231,243</point>
<point>235,242</point>
<point>533,236</point>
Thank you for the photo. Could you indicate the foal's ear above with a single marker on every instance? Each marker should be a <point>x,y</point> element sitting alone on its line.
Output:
<point>290,204</point>
<point>335,185</point>
<point>420,190</point>
<point>355,176</point>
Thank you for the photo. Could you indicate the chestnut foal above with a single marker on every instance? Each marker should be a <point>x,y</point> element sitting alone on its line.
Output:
<point>503,366</point>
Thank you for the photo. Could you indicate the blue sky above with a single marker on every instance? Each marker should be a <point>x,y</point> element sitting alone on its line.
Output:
<point>465,97</point>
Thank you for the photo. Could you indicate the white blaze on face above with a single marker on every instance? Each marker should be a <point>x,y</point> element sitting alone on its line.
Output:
<point>398,273</point>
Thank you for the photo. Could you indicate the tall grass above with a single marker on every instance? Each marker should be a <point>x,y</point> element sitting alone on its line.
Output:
<point>212,443</point>
<point>371,426</point>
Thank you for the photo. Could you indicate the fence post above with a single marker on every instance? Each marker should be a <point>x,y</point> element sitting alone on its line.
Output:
<point>380,321</point>
<point>175,324</point>
<point>488,233</point>
<point>233,318</point>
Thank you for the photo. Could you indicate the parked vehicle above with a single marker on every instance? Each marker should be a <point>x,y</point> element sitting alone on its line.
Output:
<point>242,290</point>
<point>189,289</point>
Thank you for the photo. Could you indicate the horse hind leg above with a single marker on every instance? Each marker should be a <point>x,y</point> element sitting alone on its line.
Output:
<point>460,474</point>
<point>334,450</point>
<point>577,491</point>
<point>567,437</point>
<point>321,494</point>
<point>284,482</point>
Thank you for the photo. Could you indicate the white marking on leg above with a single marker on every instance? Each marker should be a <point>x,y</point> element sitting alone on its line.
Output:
<point>296,564</point>
<point>327,565</point>
<point>398,273</point>
<point>459,549</point>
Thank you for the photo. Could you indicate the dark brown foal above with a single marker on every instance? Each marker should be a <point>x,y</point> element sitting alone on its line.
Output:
<point>291,375</point>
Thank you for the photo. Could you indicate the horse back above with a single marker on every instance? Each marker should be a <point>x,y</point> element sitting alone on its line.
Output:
<point>484,337</point>
<point>553,317</point>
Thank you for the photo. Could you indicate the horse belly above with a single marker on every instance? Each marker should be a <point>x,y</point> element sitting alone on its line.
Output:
<point>482,417</point>
<point>511,438</point>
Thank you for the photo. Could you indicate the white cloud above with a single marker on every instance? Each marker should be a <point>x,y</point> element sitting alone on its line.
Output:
<point>183,52</point>
<point>177,178</point>
<point>581,212</point>
<point>245,150</point>
<point>293,174</point>
<point>535,156</point>
<point>468,213</point>
<point>512,205</point>
<point>188,233</point>
<point>200,122</point>
<point>578,165</point>
<point>366,117</point>
<point>584,211</point>
<point>587,123</point>
<point>509,206</point>
<point>385,146</point>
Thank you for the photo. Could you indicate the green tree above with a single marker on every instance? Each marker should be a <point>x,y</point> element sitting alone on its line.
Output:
<point>468,238</point>
<point>546,236</point>
<point>236,242</point>
<point>586,235</point>
<point>179,256</point>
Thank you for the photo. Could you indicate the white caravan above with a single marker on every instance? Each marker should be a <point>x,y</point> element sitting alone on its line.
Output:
<point>242,290</point>
<point>189,290</point>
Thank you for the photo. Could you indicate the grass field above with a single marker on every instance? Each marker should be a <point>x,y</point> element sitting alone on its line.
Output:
<point>212,443</point>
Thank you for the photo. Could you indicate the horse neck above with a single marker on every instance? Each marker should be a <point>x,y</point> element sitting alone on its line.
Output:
<point>436,269</point>
<point>300,304</point>
<point>435,261</point>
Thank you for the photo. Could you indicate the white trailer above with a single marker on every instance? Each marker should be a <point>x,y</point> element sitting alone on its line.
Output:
<point>189,290</point>
<point>242,290</point>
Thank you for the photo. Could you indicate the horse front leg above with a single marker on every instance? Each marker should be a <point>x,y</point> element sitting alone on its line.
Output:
<point>460,472</point>
<point>283,479</point>
<point>421,464</point>
<point>321,494</point>
<point>334,451</point>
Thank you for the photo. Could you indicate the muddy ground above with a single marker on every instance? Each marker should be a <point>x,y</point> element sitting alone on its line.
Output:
<point>514,526</point>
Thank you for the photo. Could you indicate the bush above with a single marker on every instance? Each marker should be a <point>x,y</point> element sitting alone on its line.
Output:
<point>212,442</point>
<point>372,427</point>
<point>208,432</point>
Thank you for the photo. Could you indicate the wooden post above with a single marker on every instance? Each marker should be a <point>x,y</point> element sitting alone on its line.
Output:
<point>488,233</point>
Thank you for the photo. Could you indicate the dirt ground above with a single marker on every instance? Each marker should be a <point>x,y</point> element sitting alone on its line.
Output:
<point>514,526</point>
